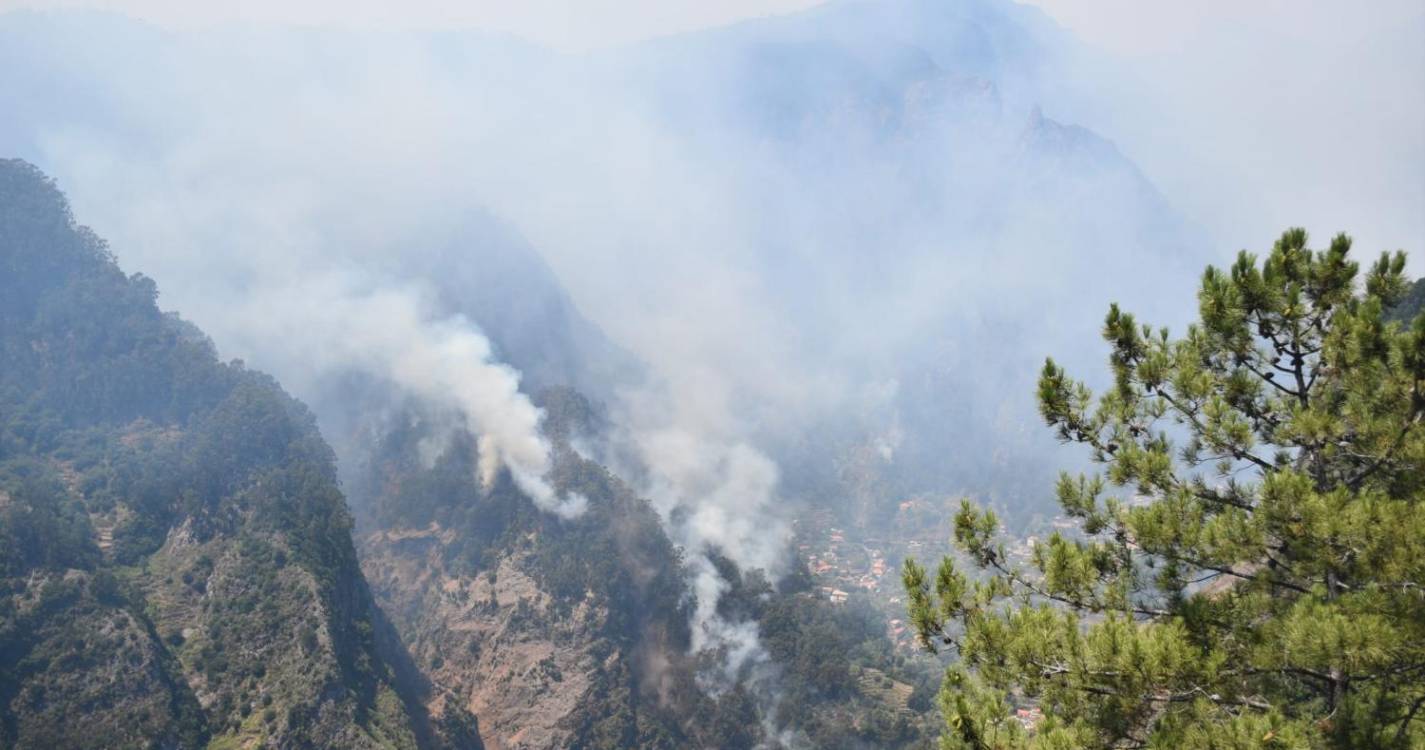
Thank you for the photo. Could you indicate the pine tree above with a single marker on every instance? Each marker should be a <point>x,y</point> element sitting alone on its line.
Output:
<point>1248,569</point>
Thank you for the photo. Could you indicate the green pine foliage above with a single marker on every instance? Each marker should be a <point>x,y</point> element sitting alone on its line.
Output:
<point>1249,566</point>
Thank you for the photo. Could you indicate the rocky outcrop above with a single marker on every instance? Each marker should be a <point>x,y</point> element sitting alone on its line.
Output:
<point>493,643</point>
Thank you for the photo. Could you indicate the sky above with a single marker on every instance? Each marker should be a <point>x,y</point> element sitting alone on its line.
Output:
<point>1129,27</point>
<point>1292,76</point>
<point>1289,113</point>
<point>562,24</point>
<point>1136,28</point>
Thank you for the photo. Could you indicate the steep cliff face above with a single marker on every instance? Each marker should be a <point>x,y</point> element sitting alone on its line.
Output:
<point>554,633</point>
<point>176,566</point>
<point>492,643</point>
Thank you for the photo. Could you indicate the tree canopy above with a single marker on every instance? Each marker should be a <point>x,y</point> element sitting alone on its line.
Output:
<point>1248,564</point>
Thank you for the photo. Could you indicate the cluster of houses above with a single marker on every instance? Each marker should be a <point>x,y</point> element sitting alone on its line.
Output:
<point>840,568</point>
<point>831,565</point>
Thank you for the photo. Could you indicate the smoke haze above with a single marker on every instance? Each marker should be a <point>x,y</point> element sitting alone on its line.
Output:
<point>841,238</point>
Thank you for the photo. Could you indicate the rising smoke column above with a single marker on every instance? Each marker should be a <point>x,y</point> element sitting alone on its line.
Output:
<point>444,362</point>
<point>717,495</point>
<point>262,267</point>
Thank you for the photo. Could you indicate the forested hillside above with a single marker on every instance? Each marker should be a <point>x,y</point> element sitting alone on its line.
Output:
<point>560,633</point>
<point>1411,305</point>
<point>176,567</point>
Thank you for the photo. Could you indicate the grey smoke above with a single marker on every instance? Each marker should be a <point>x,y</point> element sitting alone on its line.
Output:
<point>854,231</point>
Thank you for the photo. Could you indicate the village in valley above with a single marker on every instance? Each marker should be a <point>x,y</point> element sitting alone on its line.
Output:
<point>845,563</point>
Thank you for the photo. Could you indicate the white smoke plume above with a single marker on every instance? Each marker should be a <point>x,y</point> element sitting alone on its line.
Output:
<point>446,363</point>
<point>717,498</point>
<point>281,266</point>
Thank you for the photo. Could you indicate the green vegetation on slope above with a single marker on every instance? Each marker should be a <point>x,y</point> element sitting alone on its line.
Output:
<point>1410,305</point>
<point>175,556</point>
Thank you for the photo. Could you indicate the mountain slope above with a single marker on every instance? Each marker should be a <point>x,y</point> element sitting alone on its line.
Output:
<point>555,633</point>
<point>1413,304</point>
<point>176,565</point>
<point>576,633</point>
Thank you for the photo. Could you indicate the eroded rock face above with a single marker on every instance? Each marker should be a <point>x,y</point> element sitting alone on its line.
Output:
<point>551,632</point>
<point>493,643</point>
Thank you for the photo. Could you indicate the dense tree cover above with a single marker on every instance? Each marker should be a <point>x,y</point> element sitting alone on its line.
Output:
<point>78,668</point>
<point>1250,564</point>
<point>835,665</point>
<point>190,503</point>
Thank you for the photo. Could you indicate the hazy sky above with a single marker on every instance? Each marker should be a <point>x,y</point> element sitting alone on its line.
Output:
<point>1302,111</point>
<point>1259,85</point>
<point>1134,27</point>
<point>565,24</point>
<point>1122,26</point>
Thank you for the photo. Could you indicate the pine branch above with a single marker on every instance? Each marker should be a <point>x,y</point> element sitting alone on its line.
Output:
<point>1409,717</point>
<point>1018,579</point>
<point>1363,474</point>
<point>1191,415</point>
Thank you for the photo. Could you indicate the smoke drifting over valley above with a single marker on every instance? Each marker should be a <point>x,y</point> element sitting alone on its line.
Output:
<point>802,261</point>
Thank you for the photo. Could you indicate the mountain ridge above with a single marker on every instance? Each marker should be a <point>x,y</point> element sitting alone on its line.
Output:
<point>167,512</point>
